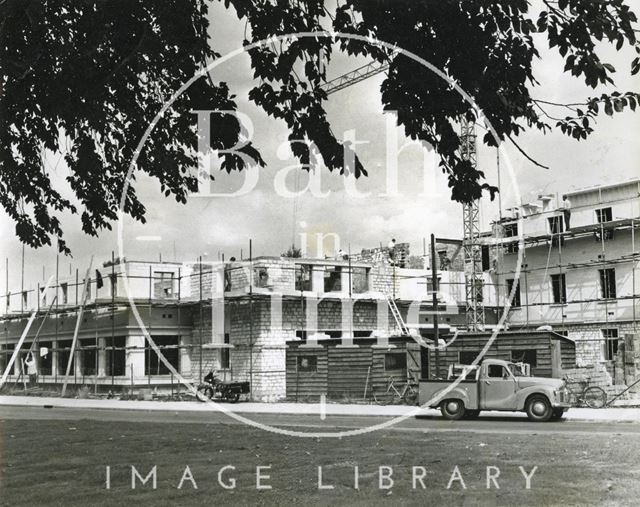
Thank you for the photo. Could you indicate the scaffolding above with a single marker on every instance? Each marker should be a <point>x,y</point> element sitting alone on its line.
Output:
<point>105,307</point>
<point>561,263</point>
<point>91,362</point>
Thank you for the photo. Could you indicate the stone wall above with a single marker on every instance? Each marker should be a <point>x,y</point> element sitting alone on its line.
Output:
<point>201,279</point>
<point>590,343</point>
<point>264,272</point>
<point>594,375</point>
<point>375,255</point>
<point>268,272</point>
<point>259,345</point>
<point>381,274</point>
<point>614,375</point>
<point>626,368</point>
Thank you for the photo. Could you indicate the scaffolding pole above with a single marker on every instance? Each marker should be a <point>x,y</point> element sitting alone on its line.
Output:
<point>251,317</point>
<point>77,328</point>
<point>16,351</point>
<point>434,290</point>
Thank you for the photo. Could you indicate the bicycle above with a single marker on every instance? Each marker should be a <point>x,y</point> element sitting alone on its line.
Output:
<point>407,392</point>
<point>590,396</point>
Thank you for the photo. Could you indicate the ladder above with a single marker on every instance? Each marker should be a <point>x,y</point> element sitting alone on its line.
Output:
<point>388,293</point>
<point>396,315</point>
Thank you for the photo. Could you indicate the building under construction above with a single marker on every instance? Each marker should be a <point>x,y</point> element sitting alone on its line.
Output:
<point>250,319</point>
<point>578,271</point>
<point>235,317</point>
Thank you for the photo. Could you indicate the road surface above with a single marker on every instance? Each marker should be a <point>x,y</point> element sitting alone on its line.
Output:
<point>510,423</point>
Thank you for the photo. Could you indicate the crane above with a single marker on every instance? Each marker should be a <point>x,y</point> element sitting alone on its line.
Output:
<point>472,250</point>
<point>471,247</point>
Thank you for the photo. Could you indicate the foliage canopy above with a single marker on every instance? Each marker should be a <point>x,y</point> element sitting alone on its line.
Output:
<point>84,79</point>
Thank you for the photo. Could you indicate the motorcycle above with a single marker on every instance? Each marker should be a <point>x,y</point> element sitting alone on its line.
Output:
<point>215,389</point>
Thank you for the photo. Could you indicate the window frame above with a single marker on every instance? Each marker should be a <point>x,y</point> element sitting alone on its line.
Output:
<point>63,351</point>
<point>116,360</point>
<point>562,289</point>
<point>45,363</point>
<point>503,369</point>
<point>88,350</point>
<point>607,212</point>
<point>395,354</point>
<point>4,357</point>
<point>523,353</point>
<point>607,283</point>
<point>517,299</point>
<point>360,275</point>
<point>556,222</point>
<point>64,287</point>
<point>332,273</point>
<point>511,231</point>
<point>313,364</point>
<point>303,277</point>
<point>171,352</point>
<point>260,277</point>
<point>6,350</point>
<point>225,354</point>
<point>160,281</point>
<point>611,338</point>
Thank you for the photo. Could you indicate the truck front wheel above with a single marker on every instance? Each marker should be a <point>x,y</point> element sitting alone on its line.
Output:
<point>452,409</point>
<point>539,409</point>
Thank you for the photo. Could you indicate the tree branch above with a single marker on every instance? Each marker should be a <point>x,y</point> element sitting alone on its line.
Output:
<point>545,113</point>
<point>127,58</point>
<point>525,154</point>
<point>568,105</point>
<point>556,10</point>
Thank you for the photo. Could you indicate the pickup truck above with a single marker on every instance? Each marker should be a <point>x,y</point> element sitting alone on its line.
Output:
<point>495,385</point>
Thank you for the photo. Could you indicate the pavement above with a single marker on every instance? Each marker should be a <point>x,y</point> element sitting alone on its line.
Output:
<point>614,414</point>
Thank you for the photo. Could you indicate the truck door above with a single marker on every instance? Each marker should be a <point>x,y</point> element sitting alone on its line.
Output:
<point>497,388</point>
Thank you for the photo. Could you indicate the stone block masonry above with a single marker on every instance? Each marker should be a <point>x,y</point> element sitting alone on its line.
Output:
<point>590,342</point>
<point>259,345</point>
<point>613,374</point>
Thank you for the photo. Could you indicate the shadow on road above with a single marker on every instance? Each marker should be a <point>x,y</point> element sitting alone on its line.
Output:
<point>516,418</point>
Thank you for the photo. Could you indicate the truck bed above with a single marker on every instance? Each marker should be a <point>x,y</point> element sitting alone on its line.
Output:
<point>466,389</point>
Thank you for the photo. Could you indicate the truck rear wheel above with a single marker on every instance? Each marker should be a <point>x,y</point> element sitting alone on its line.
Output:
<point>539,409</point>
<point>452,409</point>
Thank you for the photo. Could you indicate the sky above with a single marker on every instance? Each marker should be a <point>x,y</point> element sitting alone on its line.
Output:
<point>212,226</point>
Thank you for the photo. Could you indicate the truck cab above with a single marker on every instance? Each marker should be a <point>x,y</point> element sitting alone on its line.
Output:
<point>495,385</point>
